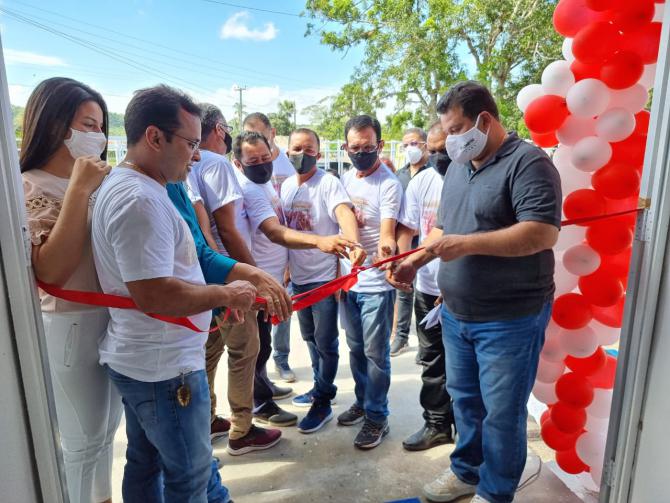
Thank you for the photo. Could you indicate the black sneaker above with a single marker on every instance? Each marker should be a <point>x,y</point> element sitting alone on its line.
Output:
<point>371,434</point>
<point>352,416</point>
<point>428,436</point>
<point>272,414</point>
<point>278,392</point>
<point>399,345</point>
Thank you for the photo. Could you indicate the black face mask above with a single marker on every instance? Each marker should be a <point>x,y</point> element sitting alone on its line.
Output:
<point>258,173</point>
<point>440,160</point>
<point>303,163</point>
<point>229,143</point>
<point>363,161</point>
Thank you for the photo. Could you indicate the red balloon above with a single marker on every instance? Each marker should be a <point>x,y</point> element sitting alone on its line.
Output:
<point>546,114</point>
<point>555,438</point>
<point>642,122</point>
<point>611,316</point>
<point>570,16</point>
<point>633,15</point>
<point>569,462</point>
<point>622,70</point>
<point>596,43</point>
<point>575,390</point>
<point>583,203</point>
<point>644,42</point>
<point>629,151</point>
<point>626,204</point>
<point>572,311</point>
<point>545,416</point>
<point>616,181</point>
<point>609,237</point>
<point>589,365</point>
<point>583,71</point>
<point>604,378</point>
<point>567,418</point>
<point>600,289</point>
<point>616,265</point>
<point>603,5</point>
<point>546,140</point>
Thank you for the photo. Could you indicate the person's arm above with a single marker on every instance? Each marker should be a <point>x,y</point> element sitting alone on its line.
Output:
<point>387,243</point>
<point>297,240</point>
<point>346,219</point>
<point>404,272</point>
<point>230,237</point>
<point>267,287</point>
<point>57,258</point>
<point>203,222</point>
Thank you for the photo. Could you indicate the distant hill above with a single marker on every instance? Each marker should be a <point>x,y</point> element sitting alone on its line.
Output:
<point>115,122</point>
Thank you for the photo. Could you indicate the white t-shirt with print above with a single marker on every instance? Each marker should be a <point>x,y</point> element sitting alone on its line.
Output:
<point>215,181</point>
<point>282,169</point>
<point>138,234</point>
<point>375,197</point>
<point>310,208</point>
<point>419,212</point>
<point>261,202</point>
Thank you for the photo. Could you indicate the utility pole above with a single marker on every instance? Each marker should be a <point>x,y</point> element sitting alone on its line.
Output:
<point>295,113</point>
<point>239,109</point>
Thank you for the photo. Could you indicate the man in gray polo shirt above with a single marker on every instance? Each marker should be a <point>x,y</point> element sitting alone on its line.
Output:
<point>498,219</point>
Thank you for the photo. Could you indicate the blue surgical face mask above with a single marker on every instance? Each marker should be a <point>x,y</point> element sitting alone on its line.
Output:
<point>465,147</point>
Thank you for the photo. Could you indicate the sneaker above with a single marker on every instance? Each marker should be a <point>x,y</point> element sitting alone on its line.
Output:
<point>447,487</point>
<point>398,346</point>
<point>257,439</point>
<point>285,372</point>
<point>352,416</point>
<point>306,399</point>
<point>219,428</point>
<point>371,434</point>
<point>428,436</point>
<point>417,358</point>
<point>274,415</point>
<point>317,417</point>
<point>278,392</point>
<point>479,499</point>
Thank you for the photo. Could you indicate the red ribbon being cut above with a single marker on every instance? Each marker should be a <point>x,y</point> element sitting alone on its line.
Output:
<point>300,301</point>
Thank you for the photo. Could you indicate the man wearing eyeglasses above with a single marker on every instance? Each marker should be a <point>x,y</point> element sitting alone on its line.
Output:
<point>368,307</point>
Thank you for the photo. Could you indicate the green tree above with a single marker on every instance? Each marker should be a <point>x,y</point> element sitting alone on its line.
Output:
<point>17,116</point>
<point>284,119</point>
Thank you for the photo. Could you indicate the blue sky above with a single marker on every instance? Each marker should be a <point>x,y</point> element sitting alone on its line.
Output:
<point>201,46</point>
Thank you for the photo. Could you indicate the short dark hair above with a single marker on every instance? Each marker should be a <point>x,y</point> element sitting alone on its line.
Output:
<point>211,116</point>
<point>361,122</point>
<point>304,130</point>
<point>250,137</point>
<point>156,106</point>
<point>472,97</point>
<point>418,131</point>
<point>257,117</point>
<point>46,120</point>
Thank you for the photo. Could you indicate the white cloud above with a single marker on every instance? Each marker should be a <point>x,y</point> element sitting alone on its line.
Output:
<point>236,27</point>
<point>18,95</point>
<point>13,56</point>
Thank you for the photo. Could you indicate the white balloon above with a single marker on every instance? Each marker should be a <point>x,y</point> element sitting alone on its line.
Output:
<point>566,49</point>
<point>570,236</point>
<point>588,98</point>
<point>552,330</point>
<point>649,75</point>
<point>548,371</point>
<point>601,404</point>
<point>527,95</point>
<point>581,260</point>
<point>561,157</point>
<point>553,350</point>
<point>572,179</point>
<point>575,128</point>
<point>596,473</point>
<point>565,281</point>
<point>591,154</point>
<point>557,78</point>
<point>597,424</point>
<point>606,335</point>
<point>658,13</point>
<point>545,392</point>
<point>616,124</point>
<point>632,99</point>
<point>590,447</point>
<point>579,343</point>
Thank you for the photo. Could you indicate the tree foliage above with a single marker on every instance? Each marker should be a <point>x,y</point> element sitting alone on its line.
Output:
<point>284,119</point>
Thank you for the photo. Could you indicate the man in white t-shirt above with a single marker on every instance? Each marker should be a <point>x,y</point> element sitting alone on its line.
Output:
<point>270,239</point>
<point>281,170</point>
<point>144,249</point>
<point>419,215</point>
<point>315,202</point>
<point>368,307</point>
<point>214,181</point>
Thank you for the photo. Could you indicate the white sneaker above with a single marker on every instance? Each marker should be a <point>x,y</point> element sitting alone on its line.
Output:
<point>448,487</point>
<point>479,499</point>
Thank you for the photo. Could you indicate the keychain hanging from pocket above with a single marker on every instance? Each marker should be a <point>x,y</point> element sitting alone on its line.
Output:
<point>183,393</point>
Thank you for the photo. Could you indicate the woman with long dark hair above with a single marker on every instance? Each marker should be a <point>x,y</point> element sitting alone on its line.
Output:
<point>62,164</point>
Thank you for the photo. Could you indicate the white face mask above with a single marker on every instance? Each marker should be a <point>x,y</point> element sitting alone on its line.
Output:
<point>413,154</point>
<point>467,146</point>
<point>82,143</point>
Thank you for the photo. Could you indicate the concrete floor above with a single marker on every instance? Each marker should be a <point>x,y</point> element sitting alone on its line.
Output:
<point>325,466</point>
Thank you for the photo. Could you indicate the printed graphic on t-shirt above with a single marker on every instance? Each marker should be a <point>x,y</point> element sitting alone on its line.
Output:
<point>429,217</point>
<point>277,207</point>
<point>299,217</point>
<point>359,211</point>
<point>277,181</point>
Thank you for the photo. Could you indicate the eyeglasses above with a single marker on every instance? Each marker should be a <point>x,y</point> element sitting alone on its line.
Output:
<point>367,149</point>
<point>228,129</point>
<point>194,144</point>
<point>404,146</point>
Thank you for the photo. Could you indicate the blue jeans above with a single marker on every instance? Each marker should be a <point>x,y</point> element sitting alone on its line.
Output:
<point>318,327</point>
<point>281,338</point>
<point>367,319</point>
<point>491,368</point>
<point>169,453</point>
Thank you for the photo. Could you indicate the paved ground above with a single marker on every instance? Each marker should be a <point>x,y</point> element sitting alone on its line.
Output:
<point>326,467</point>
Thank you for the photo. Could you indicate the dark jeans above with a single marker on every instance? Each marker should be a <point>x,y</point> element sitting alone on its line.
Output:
<point>491,368</point>
<point>405,301</point>
<point>434,398</point>
<point>262,383</point>
<point>318,327</point>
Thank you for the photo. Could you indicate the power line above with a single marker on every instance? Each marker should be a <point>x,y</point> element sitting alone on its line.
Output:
<point>257,9</point>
